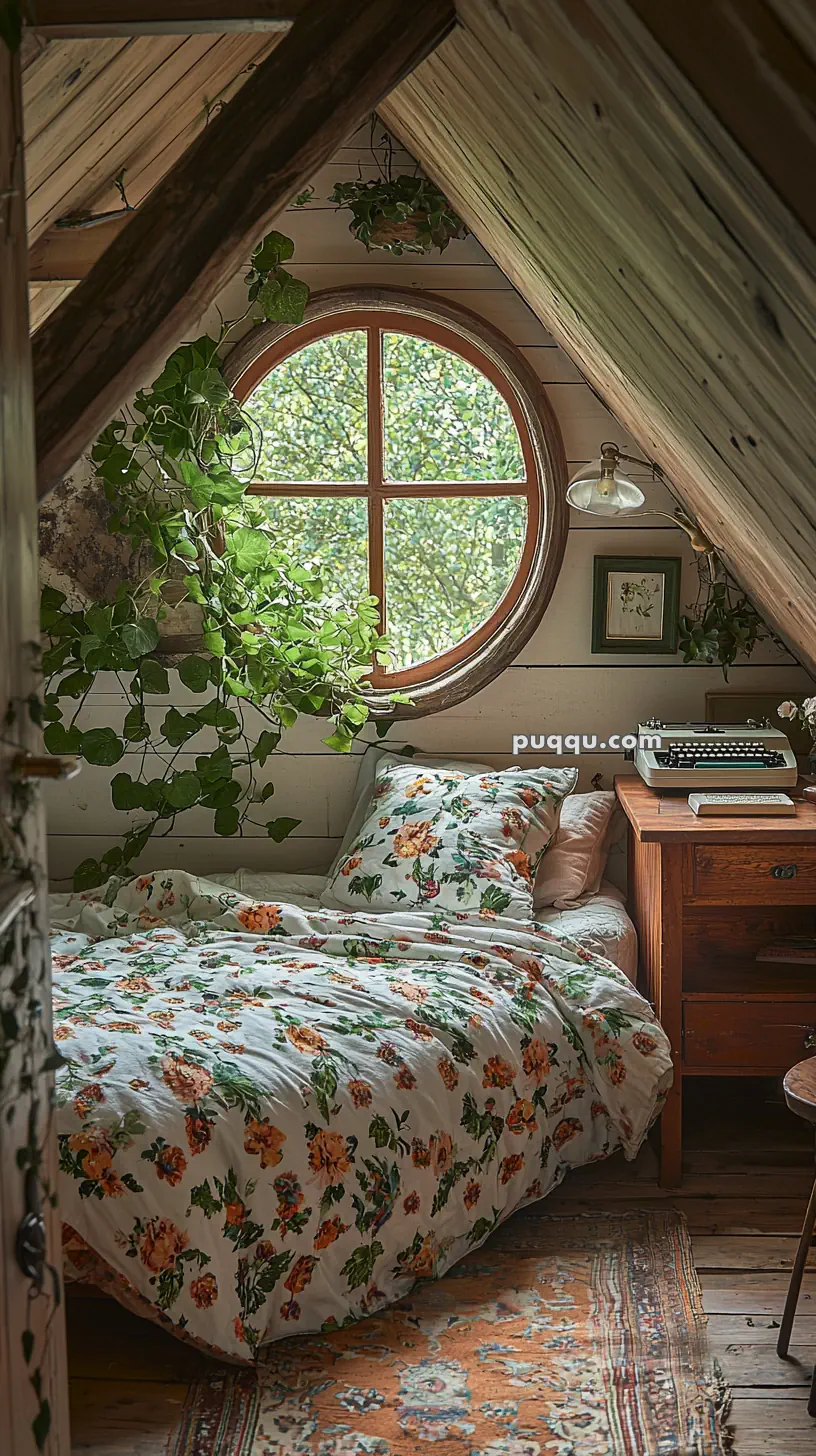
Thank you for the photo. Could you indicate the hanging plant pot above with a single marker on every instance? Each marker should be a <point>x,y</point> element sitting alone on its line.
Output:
<point>400,215</point>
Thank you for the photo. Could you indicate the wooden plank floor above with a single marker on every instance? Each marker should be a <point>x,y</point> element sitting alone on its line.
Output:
<point>748,1171</point>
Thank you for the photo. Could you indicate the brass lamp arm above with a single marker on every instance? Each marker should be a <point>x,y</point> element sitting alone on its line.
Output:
<point>698,539</point>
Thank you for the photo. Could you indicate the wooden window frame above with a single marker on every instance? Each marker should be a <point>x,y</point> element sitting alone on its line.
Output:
<point>477,659</point>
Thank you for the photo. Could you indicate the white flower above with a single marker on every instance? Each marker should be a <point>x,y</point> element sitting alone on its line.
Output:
<point>787,710</point>
<point>809,708</point>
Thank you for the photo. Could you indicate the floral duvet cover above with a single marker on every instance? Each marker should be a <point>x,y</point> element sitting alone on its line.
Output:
<point>274,1121</point>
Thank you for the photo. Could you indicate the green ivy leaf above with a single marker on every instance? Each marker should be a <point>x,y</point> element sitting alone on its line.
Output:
<point>139,638</point>
<point>280,829</point>
<point>340,740</point>
<point>126,793</point>
<point>274,249</point>
<point>226,820</point>
<point>284,298</point>
<point>195,673</point>
<point>88,875</point>
<point>178,727</point>
<point>266,745</point>
<point>135,727</point>
<point>215,642</point>
<point>153,676</point>
<point>61,740</point>
<point>102,746</point>
<point>248,548</point>
<point>183,790</point>
<point>75,684</point>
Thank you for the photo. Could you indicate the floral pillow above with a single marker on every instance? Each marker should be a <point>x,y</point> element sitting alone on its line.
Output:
<point>444,840</point>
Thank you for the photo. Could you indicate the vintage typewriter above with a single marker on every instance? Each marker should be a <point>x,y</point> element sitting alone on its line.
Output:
<point>708,756</point>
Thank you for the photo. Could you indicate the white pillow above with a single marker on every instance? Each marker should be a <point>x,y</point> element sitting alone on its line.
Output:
<point>574,864</point>
<point>371,762</point>
<point>446,840</point>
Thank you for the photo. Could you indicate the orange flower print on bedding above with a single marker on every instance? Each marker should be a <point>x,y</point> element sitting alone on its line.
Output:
<point>260,917</point>
<point>472,1193</point>
<point>644,1043</point>
<point>414,839</point>
<point>262,1137</point>
<point>536,1060</point>
<point>204,1291</point>
<point>327,1156</point>
<point>351,864</point>
<point>300,1274</point>
<point>360,1092</point>
<point>497,1073</point>
<point>417,787</point>
<point>530,797</point>
<point>329,1232</point>
<point>567,1129</point>
<point>161,1243</point>
<point>186,1080</point>
<point>441,1152</point>
<point>521,864</point>
<point>199,1131</point>
<point>170,1164</point>
<point>411,1203</point>
<point>94,1152</point>
<point>306,1039</point>
<point>521,1118</point>
<point>509,1167</point>
<point>85,1099</point>
<point>514,823</point>
<point>448,1073</point>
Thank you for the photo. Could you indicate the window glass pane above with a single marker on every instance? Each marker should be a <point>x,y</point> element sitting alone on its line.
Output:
<point>448,563</point>
<point>443,419</point>
<point>330,535</point>
<point>312,410</point>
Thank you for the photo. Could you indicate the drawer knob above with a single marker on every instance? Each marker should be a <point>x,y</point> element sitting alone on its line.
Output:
<point>810,1039</point>
<point>783,872</point>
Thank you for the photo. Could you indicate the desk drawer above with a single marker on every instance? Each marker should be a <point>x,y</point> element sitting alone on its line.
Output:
<point>754,874</point>
<point>766,1035</point>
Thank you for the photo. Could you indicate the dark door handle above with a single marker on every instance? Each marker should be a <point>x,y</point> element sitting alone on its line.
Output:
<point>783,872</point>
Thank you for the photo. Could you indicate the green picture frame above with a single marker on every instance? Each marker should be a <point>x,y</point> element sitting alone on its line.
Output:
<point>633,599</point>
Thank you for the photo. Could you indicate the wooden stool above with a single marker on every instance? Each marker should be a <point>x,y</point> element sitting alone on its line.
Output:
<point>800,1095</point>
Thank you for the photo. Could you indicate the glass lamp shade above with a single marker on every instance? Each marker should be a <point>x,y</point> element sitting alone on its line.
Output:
<point>604,495</point>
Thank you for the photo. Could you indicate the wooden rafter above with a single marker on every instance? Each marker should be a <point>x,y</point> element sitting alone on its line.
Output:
<point>198,225</point>
<point>65,255</point>
<point>55,18</point>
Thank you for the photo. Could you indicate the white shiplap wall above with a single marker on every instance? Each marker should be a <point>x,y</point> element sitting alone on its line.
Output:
<point>555,686</point>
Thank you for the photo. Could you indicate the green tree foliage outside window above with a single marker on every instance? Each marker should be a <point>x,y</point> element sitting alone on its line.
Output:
<point>448,560</point>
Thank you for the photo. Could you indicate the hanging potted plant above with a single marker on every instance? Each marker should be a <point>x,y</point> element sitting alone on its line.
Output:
<point>400,214</point>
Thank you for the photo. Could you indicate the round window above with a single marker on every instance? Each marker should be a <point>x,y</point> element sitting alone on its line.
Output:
<point>411,454</point>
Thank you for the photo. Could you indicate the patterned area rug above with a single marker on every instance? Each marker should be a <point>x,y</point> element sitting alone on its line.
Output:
<point>559,1337</point>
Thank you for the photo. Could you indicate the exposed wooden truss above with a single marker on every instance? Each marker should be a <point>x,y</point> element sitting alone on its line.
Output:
<point>626,177</point>
<point>197,226</point>
<point>95,108</point>
<point>162,17</point>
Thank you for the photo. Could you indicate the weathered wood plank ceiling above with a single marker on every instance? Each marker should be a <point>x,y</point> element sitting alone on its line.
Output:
<point>94,107</point>
<point>603,175</point>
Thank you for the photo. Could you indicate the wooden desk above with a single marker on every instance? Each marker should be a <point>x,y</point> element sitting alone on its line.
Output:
<point>705,895</point>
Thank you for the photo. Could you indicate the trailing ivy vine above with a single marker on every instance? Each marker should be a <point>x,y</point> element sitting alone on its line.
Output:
<point>274,644</point>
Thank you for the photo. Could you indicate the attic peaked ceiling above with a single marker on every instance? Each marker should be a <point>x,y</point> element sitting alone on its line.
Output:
<point>643,173</point>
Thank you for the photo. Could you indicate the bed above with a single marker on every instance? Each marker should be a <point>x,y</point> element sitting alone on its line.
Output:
<point>275,1118</point>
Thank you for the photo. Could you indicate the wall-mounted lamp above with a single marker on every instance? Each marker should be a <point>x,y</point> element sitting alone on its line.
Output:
<point>601,488</point>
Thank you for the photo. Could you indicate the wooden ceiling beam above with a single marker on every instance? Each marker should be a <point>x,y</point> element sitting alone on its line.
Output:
<point>199,224</point>
<point>66,254</point>
<point>57,19</point>
<point>653,209</point>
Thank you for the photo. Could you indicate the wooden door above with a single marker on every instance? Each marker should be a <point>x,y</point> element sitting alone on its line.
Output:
<point>33,1381</point>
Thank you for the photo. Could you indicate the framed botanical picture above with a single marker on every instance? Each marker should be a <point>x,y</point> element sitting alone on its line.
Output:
<point>635,603</point>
